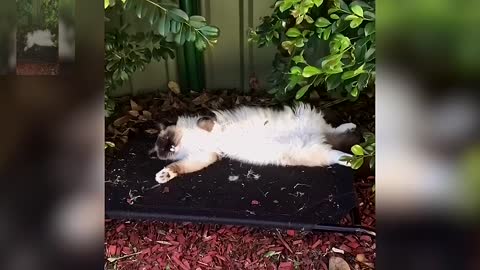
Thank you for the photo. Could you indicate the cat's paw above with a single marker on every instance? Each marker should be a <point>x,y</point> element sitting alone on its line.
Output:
<point>345,127</point>
<point>165,175</point>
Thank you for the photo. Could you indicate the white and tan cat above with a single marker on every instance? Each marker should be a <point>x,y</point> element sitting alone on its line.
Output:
<point>297,136</point>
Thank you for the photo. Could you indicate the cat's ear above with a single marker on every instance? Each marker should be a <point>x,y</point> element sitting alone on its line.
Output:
<point>206,123</point>
<point>164,124</point>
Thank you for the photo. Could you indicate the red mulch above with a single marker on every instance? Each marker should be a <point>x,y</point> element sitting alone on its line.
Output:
<point>157,245</point>
<point>37,69</point>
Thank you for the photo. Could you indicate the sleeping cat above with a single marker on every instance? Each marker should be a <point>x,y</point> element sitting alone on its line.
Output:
<point>297,136</point>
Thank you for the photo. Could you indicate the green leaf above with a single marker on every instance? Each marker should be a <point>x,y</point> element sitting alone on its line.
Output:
<point>299,43</point>
<point>333,81</point>
<point>299,20</point>
<point>370,54</point>
<point>369,28</point>
<point>357,150</point>
<point>326,33</point>
<point>334,16</point>
<point>351,17</point>
<point>331,61</point>
<point>308,19</point>
<point>357,10</point>
<point>298,59</point>
<point>369,15</point>
<point>348,74</point>
<point>288,45</point>
<point>139,9</point>
<point>310,71</point>
<point>372,162</point>
<point>200,44</point>
<point>357,163</point>
<point>341,4</point>
<point>109,144</point>
<point>354,92</point>
<point>293,32</point>
<point>356,22</point>
<point>178,15</point>
<point>106,3</point>
<point>301,92</point>
<point>197,21</point>
<point>317,2</point>
<point>209,31</point>
<point>322,22</point>
<point>296,70</point>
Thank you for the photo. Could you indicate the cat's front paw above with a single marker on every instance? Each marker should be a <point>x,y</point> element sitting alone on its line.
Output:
<point>165,175</point>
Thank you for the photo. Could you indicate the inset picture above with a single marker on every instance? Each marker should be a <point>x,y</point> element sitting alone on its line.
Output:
<point>38,38</point>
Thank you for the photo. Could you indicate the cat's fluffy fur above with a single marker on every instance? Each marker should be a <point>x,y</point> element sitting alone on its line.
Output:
<point>288,137</point>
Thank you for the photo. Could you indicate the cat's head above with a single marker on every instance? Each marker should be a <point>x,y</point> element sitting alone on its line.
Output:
<point>166,145</point>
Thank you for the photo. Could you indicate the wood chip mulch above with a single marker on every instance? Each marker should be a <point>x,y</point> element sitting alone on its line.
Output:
<point>37,69</point>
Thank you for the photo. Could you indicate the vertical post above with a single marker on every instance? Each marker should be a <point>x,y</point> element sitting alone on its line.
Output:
<point>198,54</point>
<point>190,60</point>
<point>37,12</point>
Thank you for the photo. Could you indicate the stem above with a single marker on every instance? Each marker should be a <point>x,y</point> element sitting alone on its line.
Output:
<point>157,5</point>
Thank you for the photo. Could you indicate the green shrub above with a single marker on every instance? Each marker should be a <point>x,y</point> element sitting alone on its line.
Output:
<point>363,151</point>
<point>322,45</point>
<point>170,27</point>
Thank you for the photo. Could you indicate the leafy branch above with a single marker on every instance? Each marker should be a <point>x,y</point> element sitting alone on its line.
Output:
<point>362,151</point>
<point>171,22</point>
<point>326,44</point>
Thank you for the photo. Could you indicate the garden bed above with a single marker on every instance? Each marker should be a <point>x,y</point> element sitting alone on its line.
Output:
<point>226,192</point>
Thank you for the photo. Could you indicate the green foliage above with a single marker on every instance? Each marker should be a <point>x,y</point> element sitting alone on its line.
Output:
<point>362,151</point>
<point>125,54</point>
<point>322,45</point>
<point>49,17</point>
<point>170,27</point>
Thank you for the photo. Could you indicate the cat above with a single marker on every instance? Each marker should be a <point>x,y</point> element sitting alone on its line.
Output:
<point>297,136</point>
<point>39,38</point>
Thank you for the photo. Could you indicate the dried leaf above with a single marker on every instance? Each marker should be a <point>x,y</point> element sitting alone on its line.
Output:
<point>134,113</point>
<point>174,87</point>
<point>122,120</point>
<point>337,263</point>
<point>151,131</point>
<point>124,139</point>
<point>201,99</point>
<point>135,106</point>
<point>337,250</point>
<point>360,257</point>
<point>147,114</point>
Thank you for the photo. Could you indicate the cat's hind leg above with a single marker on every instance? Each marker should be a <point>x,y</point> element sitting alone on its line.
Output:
<point>184,166</point>
<point>335,157</point>
<point>344,128</point>
<point>319,155</point>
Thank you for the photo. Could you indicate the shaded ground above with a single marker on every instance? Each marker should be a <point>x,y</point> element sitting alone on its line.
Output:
<point>157,245</point>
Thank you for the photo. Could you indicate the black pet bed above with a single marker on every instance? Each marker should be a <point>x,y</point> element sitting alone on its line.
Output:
<point>229,192</point>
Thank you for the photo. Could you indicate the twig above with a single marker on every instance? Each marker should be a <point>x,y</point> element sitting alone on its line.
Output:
<point>283,242</point>
<point>112,259</point>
